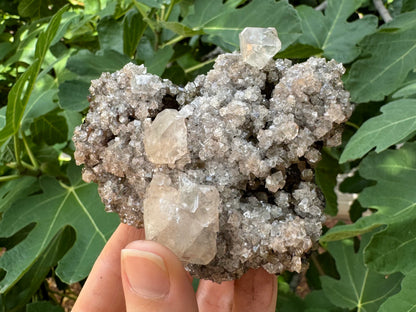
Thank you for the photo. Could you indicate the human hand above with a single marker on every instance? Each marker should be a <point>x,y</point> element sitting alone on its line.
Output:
<point>132,274</point>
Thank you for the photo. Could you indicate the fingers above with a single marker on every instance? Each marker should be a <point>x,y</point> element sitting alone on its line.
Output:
<point>255,291</point>
<point>215,297</point>
<point>154,279</point>
<point>103,289</point>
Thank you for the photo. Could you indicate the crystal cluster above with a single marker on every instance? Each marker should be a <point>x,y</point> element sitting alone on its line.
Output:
<point>222,168</point>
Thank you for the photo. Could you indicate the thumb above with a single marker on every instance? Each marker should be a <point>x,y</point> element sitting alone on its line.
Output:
<point>154,279</point>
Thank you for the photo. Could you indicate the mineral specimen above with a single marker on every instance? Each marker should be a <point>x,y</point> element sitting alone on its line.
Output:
<point>223,167</point>
<point>259,45</point>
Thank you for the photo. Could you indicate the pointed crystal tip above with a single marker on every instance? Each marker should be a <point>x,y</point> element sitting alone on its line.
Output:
<point>259,45</point>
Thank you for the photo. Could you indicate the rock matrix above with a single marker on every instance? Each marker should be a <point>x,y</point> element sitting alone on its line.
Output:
<point>220,170</point>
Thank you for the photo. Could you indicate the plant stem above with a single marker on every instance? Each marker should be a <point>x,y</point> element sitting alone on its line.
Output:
<point>173,41</point>
<point>9,177</point>
<point>17,150</point>
<point>30,153</point>
<point>351,124</point>
<point>317,265</point>
<point>30,167</point>
<point>322,6</point>
<point>384,13</point>
<point>191,69</point>
<point>166,17</point>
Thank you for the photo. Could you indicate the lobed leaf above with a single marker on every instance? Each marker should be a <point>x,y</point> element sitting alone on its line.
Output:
<point>29,284</point>
<point>405,300</point>
<point>332,33</point>
<point>393,249</point>
<point>358,287</point>
<point>226,22</point>
<point>397,122</point>
<point>390,54</point>
<point>393,196</point>
<point>14,190</point>
<point>76,205</point>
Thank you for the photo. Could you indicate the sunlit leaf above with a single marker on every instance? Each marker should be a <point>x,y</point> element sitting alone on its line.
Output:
<point>359,287</point>
<point>76,205</point>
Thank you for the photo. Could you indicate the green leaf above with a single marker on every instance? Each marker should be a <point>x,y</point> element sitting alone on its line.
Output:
<point>299,51</point>
<point>358,287</point>
<point>180,29</point>
<point>42,100</point>
<point>14,190</point>
<point>397,122</point>
<point>393,249</point>
<point>90,66</point>
<point>49,128</point>
<point>226,22</point>
<point>390,54</point>
<point>77,205</point>
<point>5,48</point>
<point>3,116</point>
<point>157,64</point>
<point>43,306</point>
<point>133,29</point>
<point>406,91</point>
<point>332,33</point>
<point>20,93</point>
<point>46,37</point>
<point>393,196</point>
<point>316,301</point>
<point>73,95</point>
<point>405,300</point>
<point>110,34</point>
<point>30,282</point>
<point>16,105</point>
<point>326,178</point>
<point>32,8</point>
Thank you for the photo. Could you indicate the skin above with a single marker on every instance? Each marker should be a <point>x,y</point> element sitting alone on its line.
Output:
<point>134,275</point>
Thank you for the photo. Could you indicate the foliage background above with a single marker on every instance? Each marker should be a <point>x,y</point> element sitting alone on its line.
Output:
<point>53,225</point>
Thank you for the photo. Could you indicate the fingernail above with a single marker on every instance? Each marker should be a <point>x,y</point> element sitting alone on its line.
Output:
<point>146,273</point>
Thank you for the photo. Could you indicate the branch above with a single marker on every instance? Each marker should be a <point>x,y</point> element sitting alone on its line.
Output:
<point>384,13</point>
<point>322,6</point>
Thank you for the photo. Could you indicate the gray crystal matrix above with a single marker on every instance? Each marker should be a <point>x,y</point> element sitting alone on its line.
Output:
<point>246,138</point>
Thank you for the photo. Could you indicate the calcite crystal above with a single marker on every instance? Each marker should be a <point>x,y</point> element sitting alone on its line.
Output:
<point>165,138</point>
<point>185,220</point>
<point>259,45</point>
<point>222,168</point>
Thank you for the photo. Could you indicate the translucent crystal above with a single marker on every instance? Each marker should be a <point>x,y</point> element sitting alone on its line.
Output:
<point>275,181</point>
<point>185,219</point>
<point>259,45</point>
<point>165,140</point>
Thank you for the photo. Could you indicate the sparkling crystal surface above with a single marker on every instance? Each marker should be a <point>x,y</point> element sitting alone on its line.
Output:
<point>183,219</point>
<point>246,142</point>
<point>259,45</point>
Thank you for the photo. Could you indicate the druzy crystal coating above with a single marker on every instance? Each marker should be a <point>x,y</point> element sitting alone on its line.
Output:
<point>238,181</point>
<point>259,45</point>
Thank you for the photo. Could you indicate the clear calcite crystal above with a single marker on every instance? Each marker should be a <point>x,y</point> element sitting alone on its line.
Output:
<point>259,45</point>
<point>165,138</point>
<point>223,167</point>
<point>184,219</point>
